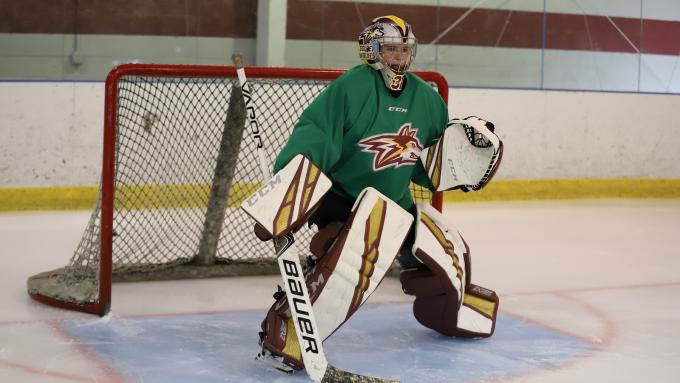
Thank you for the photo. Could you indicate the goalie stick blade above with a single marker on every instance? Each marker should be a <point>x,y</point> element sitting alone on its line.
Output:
<point>336,375</point>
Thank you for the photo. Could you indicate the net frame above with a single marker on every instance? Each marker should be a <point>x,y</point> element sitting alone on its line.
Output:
<point>106,202</point>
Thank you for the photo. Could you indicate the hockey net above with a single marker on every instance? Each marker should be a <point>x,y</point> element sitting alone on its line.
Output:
<point>176,148</point>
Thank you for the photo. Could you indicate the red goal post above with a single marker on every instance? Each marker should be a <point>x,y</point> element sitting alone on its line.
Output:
<point>169,136</point>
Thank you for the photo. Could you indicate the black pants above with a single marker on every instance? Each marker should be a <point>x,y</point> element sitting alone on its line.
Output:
<point>335,209</point>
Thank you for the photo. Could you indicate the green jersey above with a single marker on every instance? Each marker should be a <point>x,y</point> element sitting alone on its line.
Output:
<point>360,135</point>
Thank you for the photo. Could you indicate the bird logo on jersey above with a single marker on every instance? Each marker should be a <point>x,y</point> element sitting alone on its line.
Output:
<point>391,149</point>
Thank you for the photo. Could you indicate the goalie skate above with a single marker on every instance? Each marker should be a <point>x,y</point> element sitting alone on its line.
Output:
<point>272,360</point>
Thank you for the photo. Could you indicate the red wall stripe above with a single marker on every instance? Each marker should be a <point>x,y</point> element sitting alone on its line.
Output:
<point>209,18</point>
<point>591,33</point>
<point>341,21</point>
<point>661,37</point>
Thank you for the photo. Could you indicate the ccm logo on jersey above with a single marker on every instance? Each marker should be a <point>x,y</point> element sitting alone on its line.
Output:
<point>397,109</point>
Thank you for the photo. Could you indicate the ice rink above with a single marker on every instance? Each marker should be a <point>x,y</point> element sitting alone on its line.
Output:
<point>590,292</point>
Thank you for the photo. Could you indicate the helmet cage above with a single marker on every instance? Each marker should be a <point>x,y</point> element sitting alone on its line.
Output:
<point>401,66</point>
<point>370,52</point>
<point>388,31</point>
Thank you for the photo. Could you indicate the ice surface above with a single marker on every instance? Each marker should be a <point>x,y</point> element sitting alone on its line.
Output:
<point>589,292</point>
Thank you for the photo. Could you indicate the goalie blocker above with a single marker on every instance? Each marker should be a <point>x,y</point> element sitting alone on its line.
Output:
<point>283,204</point>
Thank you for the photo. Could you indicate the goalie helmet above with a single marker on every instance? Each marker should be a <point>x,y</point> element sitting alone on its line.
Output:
<point>388,45</point>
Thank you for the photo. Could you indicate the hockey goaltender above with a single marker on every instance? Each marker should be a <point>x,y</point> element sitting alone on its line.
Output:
<point>346,169</point>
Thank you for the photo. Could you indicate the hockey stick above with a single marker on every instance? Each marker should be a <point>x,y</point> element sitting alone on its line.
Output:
<point>316,364</point>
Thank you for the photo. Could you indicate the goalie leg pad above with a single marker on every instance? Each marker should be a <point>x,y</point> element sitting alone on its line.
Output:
<point>446,301</point>
<point>346,275</point>
<point>435,308</point>
<point>477,316</point>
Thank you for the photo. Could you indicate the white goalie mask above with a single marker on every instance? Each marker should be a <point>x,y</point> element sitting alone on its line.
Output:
<point>388,45</point>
